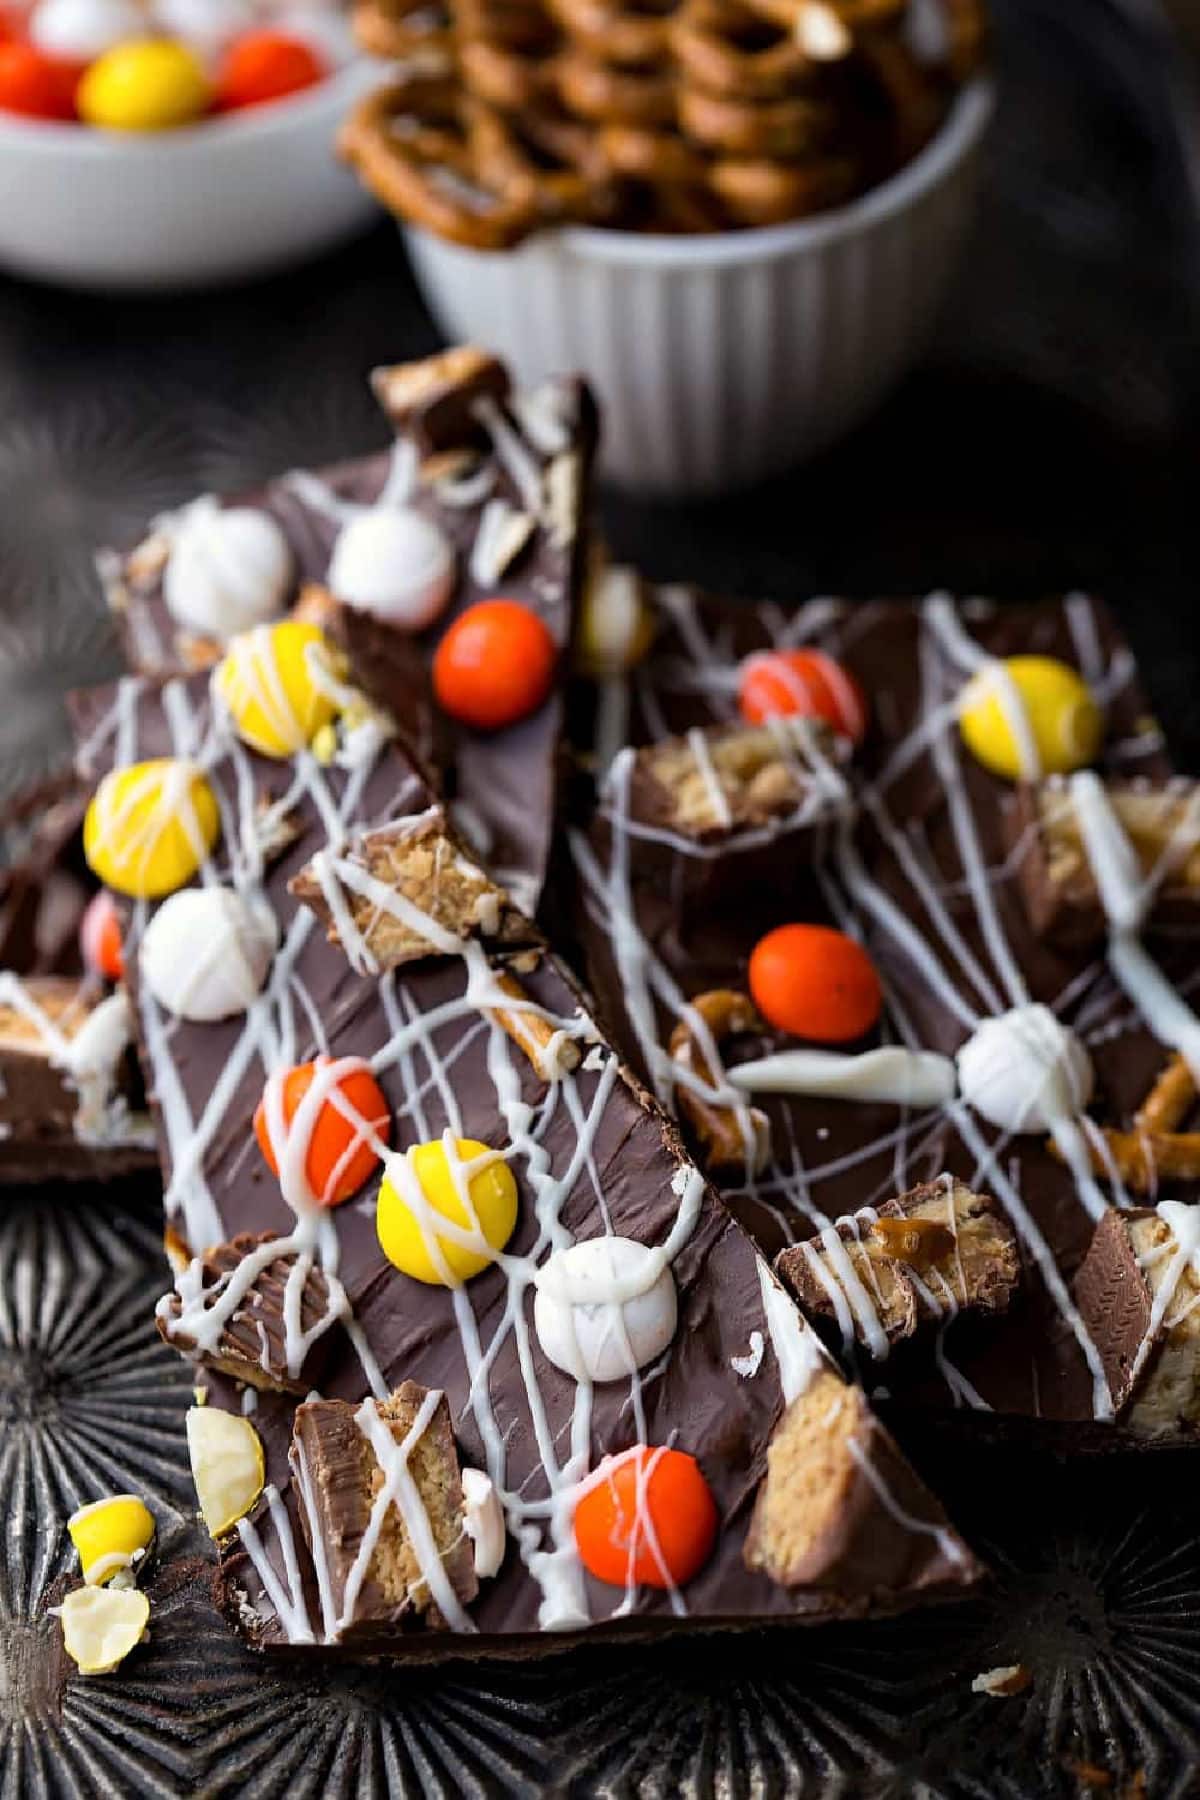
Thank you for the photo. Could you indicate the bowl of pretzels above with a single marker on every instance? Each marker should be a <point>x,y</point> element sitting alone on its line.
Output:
<point>737,217</point>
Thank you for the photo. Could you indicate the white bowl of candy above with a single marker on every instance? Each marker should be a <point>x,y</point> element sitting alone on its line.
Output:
<point>154,144</point>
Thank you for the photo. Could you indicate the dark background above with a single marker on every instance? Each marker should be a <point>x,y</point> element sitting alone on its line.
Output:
<point>1049,442</point>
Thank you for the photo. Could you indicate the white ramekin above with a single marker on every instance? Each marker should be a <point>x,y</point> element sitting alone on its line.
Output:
<point>721,360</point>
<point>221,200</point>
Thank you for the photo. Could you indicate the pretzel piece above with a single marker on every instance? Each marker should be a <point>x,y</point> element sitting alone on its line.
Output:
<point>552,1053</point>
<point>735,1135</point>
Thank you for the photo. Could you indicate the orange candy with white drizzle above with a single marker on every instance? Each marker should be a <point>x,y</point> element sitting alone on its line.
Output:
<point>321,1127</point>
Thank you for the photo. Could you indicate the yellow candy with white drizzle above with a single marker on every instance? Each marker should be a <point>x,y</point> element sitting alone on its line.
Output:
<point>111,1535</point>
<point>279,685</point>
<point>1028,716</point>
<point>470,1189</point>
<point>150,826</point>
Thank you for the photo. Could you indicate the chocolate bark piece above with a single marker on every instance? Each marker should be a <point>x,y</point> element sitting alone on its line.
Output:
<point>589,1154</point>
<point>825,1512</point>
<point>487,459</point>
<point>384,1490</point>
<point>1161,821</point>
<point>71,1105</point>
<point>1140,1297</point>
<point>934,1254</point>
<point>254,1342</point>
<point>925,872</point>
<point>45,885</point>
<point>394,879</point>
<point>433,401</point>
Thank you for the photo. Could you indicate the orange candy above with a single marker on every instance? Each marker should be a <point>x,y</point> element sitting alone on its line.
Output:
<point>100,937</point>
<point>36,85</point>
<point>340,1156</point>
<point>494,665</point>
<point>266,65</point>
<point>648,1516</point>
<point>804,682</point>
<point>815,983</point>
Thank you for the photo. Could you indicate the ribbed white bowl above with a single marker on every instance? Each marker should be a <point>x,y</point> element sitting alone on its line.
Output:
<point>720,360</point>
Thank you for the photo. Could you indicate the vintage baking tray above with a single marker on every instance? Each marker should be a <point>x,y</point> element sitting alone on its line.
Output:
<point>1049,442</point>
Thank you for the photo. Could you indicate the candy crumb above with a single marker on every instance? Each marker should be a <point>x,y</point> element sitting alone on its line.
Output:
<point>1003,1682</point>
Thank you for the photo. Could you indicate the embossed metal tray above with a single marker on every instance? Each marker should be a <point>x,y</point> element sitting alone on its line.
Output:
<point>1049,442</point>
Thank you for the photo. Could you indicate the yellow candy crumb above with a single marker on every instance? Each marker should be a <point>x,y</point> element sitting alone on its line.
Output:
<point>150,826</point>
<point>228,1469</point>
<point>110,1535</point>
<point>100,1626</point>
<point>425,1186</point>
<point>153,84</point>
<point>278,683</point>
<point>324,745</point>
<point>1028,716</point>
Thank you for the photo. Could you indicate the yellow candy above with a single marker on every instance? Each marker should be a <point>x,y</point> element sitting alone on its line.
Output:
<point>149,827</point>
<point>268,678</point>
<point>616,627</point>
<point>1063,724</point>
<point>228,1470</point>
<point>406,1231</point>
<point>100,1626</point>
<point>151,84</point>
<point>109,1535</point>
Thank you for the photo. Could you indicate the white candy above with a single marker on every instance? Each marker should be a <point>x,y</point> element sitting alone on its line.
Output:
<point>207,25</point>
<point>484,1521</point>
<point>206,953</point>
<point>393,563</point>
<point>85,29</point>
<point>604,1308</point>
<point>229,569</point>
<point>891,1074</point>
<point>1025,1071</point>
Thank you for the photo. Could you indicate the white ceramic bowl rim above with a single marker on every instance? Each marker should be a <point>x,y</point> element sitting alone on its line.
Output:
<point>50,136</point>
<point>963,127</point>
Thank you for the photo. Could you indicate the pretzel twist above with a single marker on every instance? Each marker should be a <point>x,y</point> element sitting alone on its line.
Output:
<point>672,115</point>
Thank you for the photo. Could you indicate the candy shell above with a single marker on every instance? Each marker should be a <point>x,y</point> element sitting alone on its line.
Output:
<point>604,1308</point>
<point>230,568</point>
<point>206,952</point>
<point>1028,716</point>
<point>110,1535</point>
<point>421,1188</point>
<point>803,684</point>
<point>81,30</point>
<point>647,1516</point>
<point>263,66</point>
<point>495,664</point>
<point>815,983</point>
<point>153,84</point>
<point>100,1626</point>
<point>395,564</point>
<point>616,627</point>
<point>100,937</point>
<point>36,85</point>
<point>338,1108</point>
<point>1024,1071</point>
<point>150,826</point>
<point>275,681</point>
<point>228,1470</point>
